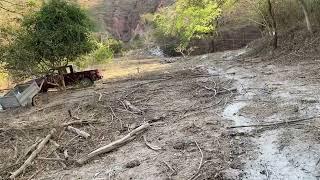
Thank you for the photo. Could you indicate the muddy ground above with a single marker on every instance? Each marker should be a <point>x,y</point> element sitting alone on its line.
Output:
<point>192,103</point>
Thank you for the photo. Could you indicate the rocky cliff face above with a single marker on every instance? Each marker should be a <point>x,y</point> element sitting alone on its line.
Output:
<point>122,17</point>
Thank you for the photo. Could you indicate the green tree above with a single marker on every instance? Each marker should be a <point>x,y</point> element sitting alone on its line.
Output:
<point>53,36</point>
<point>187,20</point>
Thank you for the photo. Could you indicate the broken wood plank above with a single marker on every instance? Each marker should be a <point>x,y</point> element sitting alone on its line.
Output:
<point>132,107</point>
<point>78,132</point>
<point>132,135</point>
<point>33,155</point>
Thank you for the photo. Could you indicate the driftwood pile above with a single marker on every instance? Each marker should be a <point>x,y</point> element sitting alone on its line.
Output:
<point>33,152</point>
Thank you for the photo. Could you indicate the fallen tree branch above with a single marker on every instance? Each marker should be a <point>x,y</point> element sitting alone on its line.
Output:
<point>58,157</point>
<point>201,162</point>
<point>153,147</point>
<point>71,116</point>
<point>232,90</point>
<point>132,107</point>
<point>173,171</point>
<point>273,124</point>
<point>209,89</point>
<point>114,114</point>
<point>78,132</point>
<point>77,123</point>
<point>132,135</point>
<point>29,150</point>
<point>33,155</point>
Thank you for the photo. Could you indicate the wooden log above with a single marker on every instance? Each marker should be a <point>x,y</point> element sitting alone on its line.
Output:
<point>118,143</point>
<point>132,107</point>
<point>33,155</point>
<point>30,150</point>
<point>78,132</point>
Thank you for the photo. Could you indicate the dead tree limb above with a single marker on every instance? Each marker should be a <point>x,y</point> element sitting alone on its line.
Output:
<point>29,150</point>
<point>58,157</point>
<point>33,155</point>
<point>114,114</point>
<point>84,122</point>
<point>201,162</point>
<point>273,124</point>
<point>78,132</point>
<point>153,147</point>
<point>118,143</point>
<point>71,115</point>
<point>132,107</point>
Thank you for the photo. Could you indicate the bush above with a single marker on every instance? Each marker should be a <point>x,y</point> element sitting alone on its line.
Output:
<point>103,53</point>
<point>116,46</point>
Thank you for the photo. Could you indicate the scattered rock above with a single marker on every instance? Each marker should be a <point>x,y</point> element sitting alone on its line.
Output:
<point>132,164</point>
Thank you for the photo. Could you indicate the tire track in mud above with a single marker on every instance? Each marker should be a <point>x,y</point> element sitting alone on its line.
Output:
<point>287,152</point>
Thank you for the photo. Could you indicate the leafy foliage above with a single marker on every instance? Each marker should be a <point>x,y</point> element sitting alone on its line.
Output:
<point>103,54</point>
<point>56,34</point>
<point>187,19</point>
<point>116,46</point>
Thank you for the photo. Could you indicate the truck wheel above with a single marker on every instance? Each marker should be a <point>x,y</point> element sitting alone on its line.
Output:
<point>37,100</point>
<point>86,82</point>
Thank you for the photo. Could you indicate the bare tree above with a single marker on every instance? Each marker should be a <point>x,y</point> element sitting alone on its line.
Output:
<point>274,24</point>
<point>306,14</point>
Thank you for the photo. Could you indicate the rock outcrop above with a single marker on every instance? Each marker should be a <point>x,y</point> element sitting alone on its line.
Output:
<point>122,17</point>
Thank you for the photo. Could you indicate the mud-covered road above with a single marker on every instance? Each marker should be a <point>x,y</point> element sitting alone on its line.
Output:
<point>194,102</point>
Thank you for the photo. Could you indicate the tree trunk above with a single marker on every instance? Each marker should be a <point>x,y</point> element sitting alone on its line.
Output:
<point>306,14</point>
<point>274,25</point>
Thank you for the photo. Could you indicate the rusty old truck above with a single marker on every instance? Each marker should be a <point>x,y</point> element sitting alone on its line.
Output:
<point>26,93</point>
<point>70,77</point>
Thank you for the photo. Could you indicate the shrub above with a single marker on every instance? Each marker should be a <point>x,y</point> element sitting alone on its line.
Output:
<point>103,53</point>
<point>116,46</point>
